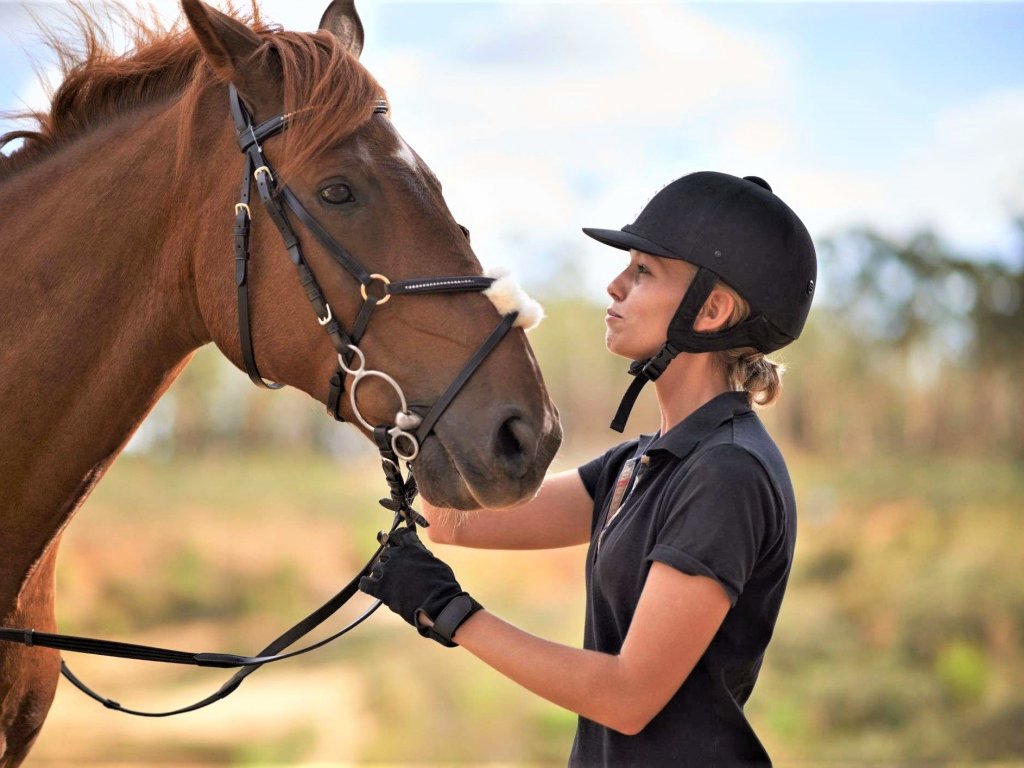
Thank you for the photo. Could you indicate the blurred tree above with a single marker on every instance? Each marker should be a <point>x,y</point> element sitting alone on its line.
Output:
<point>910,346</point>
<point>940,335</point>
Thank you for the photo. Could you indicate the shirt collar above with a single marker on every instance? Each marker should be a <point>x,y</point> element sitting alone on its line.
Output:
<point>684,436</point>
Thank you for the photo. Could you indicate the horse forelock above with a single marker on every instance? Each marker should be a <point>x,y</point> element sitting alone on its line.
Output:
<point>330,93</point>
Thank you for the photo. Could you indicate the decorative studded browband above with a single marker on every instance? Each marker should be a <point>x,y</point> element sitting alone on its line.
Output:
<point>410,428</point>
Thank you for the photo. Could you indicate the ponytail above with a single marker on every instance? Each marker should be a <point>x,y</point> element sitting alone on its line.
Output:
<point>746,369</point>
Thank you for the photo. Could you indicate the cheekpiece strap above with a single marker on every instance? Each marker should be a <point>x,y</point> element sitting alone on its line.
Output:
<point>335,249</point>
<point>335,389</point>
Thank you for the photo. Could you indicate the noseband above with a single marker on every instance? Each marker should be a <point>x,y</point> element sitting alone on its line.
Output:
<point>277,200</point>
<point>398,442</point>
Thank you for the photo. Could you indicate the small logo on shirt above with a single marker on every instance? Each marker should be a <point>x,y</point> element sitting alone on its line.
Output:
<point>618,496</point>
<point>622,486</point>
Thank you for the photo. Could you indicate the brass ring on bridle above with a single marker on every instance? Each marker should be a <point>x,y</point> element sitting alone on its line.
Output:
<point>383,299</point>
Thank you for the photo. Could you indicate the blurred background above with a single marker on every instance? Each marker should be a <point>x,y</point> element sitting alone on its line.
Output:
<point>894,130</point>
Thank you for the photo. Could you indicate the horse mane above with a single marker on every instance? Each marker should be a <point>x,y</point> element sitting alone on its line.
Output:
<point>332,92</point>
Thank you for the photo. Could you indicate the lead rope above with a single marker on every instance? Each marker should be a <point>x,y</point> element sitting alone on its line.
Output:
<point>403,494</point>
<point>390,442</point>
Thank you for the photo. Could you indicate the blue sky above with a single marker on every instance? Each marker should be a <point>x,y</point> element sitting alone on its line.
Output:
<point>541,118</point>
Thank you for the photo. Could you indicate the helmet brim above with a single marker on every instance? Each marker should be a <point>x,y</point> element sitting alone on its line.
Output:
<point>627,241</point>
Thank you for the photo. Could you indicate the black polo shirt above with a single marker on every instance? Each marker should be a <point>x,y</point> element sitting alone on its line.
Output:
<point>711,497</point>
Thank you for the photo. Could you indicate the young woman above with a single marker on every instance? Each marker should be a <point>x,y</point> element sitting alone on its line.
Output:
<point>691,529</point>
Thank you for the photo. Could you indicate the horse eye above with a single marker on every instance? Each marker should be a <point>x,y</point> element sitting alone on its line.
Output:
<point>336,194</point>
<point>464,231</point>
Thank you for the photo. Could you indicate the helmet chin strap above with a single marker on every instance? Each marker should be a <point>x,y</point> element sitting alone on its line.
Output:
<point>681,338</point>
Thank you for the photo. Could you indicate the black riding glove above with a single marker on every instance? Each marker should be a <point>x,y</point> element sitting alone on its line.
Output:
<point>408,579</point>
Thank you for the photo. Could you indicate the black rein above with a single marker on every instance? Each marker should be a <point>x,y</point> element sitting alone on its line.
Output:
<point>277,201</point>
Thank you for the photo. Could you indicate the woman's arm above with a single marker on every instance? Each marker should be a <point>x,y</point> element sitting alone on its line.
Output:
<point>559,515</point>
<point>675,620</point>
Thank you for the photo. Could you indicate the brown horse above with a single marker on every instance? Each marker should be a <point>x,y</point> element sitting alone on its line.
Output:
<point>116,236</point>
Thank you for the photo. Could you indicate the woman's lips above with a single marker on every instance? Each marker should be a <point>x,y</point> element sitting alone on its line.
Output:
<point>612,316</point>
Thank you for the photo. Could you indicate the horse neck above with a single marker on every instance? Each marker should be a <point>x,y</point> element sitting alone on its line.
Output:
<point>97,316</point>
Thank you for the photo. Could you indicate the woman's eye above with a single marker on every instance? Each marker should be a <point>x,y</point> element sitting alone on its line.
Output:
<point>336,194</point>
<point>464,231</point>
<point>642,270</point>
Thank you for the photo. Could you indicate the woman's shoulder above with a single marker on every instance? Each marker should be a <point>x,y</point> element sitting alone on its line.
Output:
<point>718,467</point>
<point>745,459</point>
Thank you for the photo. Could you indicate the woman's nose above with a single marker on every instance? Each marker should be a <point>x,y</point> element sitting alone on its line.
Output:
<point>615,287</point>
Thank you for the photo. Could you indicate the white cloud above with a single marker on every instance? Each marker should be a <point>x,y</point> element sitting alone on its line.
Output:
<point>970,175</point>
<point>545,118</point>
<point>965,179</point>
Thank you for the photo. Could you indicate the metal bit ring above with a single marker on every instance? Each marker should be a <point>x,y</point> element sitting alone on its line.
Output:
<point>362,362</point>
<point>397,435</point>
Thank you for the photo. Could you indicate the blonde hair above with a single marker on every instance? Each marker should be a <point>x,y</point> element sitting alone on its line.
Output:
<point>746,369</point>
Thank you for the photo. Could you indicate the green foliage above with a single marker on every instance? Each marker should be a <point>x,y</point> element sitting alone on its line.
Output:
<point>963,670</point>
<point>899,639</point>
<point>910,347</point>
<point>900,636</point>
<point>288,749</point>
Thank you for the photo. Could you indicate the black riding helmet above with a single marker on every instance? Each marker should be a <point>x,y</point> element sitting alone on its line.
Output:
<point>735,230</point>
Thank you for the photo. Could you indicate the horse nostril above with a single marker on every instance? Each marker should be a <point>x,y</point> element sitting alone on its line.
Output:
<point>513,446</point>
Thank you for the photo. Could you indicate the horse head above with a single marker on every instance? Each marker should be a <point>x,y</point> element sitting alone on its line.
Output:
<point>350,186</point>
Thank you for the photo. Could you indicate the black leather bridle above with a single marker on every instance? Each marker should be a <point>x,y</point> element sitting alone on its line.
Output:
<point>276,200</point>
<point>398,442</point>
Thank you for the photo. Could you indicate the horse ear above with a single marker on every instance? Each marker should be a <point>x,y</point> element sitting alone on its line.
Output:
<point>229,47</point>
<point>342,21</point>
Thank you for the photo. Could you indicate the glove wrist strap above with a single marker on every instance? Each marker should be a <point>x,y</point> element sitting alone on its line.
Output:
<point>451,618</point>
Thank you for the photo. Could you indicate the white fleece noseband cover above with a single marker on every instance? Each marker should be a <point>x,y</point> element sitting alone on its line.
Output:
<point>508,296</point>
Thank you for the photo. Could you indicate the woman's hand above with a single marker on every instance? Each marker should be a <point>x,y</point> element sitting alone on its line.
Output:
<point>419,587</point>
<point>559,515</point>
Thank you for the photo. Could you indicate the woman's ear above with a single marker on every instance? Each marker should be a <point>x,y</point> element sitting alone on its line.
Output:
<point>716,313</point>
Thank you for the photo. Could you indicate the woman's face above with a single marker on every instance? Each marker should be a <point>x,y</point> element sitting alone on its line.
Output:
<point>645,296</point>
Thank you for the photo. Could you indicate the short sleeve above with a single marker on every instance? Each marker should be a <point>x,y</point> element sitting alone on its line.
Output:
<point>599,475</point>
<point>590,472</point>
<point>717,521</point>
<point>595,473</point>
